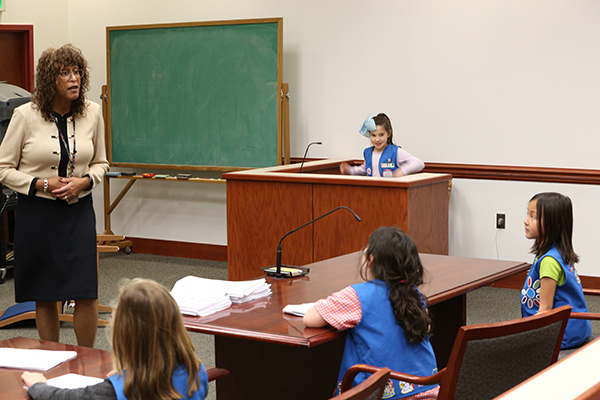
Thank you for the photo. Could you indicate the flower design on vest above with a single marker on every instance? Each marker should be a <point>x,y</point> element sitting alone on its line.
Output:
<point>531,293</point>
<point>389,390</point>
<point>574,272</point>
<point>406,387</point>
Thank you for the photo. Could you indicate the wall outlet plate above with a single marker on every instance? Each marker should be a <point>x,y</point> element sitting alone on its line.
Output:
<point>500,221</point>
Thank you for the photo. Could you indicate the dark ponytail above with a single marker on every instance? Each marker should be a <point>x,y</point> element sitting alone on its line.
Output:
<point>395,260</point>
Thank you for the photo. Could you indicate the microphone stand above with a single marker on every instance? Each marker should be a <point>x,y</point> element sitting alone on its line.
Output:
<point>306,152</point>
<point>302,270</point>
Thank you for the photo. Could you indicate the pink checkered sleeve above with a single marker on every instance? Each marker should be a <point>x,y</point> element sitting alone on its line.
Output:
<point>340,310</point>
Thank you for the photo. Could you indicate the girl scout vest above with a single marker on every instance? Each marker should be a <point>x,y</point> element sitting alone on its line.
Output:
<point>180,378</point>
<point>387,162</point>
<point>378,340</point>
<point>569,293</point>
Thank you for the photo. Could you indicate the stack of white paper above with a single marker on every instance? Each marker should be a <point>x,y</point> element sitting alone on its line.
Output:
<point>33,359</point>
<point>201,297</point>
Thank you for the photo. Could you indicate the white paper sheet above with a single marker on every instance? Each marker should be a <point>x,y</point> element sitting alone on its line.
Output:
<point>33,359</point>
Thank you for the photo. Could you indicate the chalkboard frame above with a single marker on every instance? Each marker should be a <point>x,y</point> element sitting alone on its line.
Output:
<point>280,111</point>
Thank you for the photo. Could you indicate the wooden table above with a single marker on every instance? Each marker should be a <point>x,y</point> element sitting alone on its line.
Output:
<point>575,377</point>
<point>271,355</point>
<point>266,203</point>
<point>89,362</point>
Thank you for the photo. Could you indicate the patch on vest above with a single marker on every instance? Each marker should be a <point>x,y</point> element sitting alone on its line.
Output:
<point>369,171</point>
<point>530,295</point>
<point>406,387</point>
<point>389,390</point>
<point>387,173</point>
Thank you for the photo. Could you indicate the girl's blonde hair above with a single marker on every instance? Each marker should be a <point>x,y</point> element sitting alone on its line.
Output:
<point>149,340</point>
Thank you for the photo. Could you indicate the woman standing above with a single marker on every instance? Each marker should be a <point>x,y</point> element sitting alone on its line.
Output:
<point>53,155</point>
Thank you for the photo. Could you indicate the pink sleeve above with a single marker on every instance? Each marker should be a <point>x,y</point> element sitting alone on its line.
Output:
<point>408,163</point>
<point>358,170</point>
<point>340,310</point>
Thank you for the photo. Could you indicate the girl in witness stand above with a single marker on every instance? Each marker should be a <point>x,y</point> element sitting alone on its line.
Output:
<point>151,350</point>
<point>386,316</point>
<point>552,280</point>
<point>384,158</point>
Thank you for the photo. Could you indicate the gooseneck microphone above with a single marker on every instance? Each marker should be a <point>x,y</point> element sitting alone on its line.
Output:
<point>293,271</point>
<point>306,152</point>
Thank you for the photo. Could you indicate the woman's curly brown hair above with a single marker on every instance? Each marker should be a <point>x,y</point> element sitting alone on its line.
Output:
<point>50,64</point>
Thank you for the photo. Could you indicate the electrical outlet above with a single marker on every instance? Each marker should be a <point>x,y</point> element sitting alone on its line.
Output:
<point>500,221</point>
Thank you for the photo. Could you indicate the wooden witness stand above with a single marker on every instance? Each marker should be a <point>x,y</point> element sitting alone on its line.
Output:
<point>283,154</point>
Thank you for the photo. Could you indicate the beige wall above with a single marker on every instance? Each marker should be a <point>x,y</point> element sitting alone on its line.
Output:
<point>464,81</point>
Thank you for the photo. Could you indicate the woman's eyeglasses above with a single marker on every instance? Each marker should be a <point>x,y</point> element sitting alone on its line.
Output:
<point>66,75</point>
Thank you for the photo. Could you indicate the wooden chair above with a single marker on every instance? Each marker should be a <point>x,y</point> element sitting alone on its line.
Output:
<point>588,315</point>
<point>489,359</point>
<point>371,389</point>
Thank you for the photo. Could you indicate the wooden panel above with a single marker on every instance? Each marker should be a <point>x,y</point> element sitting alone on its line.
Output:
<point>261,374</point>
<point>340,233</point>
<point>427,213</point>
<point>259,214</point>
<point>16,55</point>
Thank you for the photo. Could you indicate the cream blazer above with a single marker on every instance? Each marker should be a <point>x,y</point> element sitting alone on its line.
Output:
<point>31,148</point>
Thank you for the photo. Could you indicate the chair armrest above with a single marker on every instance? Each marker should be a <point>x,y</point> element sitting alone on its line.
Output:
<point>584,315</point>
<point>216,373</point>
<point>419,380</point>
<point>591,292</point>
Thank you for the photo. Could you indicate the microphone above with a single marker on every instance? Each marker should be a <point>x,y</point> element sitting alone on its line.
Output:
<point>297,271</point>
<point>306,152</point>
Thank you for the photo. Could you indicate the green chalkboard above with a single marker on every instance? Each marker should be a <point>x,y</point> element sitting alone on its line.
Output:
<point>195,95</point>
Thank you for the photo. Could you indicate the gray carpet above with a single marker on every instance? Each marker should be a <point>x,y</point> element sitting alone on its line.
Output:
<point>484,305</point>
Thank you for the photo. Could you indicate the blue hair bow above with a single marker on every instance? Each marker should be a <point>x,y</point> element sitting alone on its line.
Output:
<point>368,126</point>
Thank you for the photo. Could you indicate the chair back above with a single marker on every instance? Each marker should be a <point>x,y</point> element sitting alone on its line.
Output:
<point>370,389</point>
<point>489,359</point>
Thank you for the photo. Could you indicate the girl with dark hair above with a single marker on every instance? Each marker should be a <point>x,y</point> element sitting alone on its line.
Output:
<point>384,158</point>
<point>386,316</point>
<point>552,280</point>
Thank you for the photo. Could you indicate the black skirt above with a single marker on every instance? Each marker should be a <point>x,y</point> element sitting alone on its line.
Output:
<point>55,250</point>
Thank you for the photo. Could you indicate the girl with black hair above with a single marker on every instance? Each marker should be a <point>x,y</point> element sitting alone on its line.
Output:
<point>386,316</point>
<point>552,280</point>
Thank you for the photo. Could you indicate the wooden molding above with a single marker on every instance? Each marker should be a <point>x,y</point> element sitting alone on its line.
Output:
<point>178,249</point>
<point>505,172</point>
<point>517,173</point>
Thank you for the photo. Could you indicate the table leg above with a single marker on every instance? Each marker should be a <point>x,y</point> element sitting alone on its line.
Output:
<point>448,316</point>
<point>259,370</point>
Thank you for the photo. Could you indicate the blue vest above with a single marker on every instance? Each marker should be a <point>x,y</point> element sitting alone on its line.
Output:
<point>180,380</point>
<point>378,340</point>
<point>387,162</point>
<point>569,293</point>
